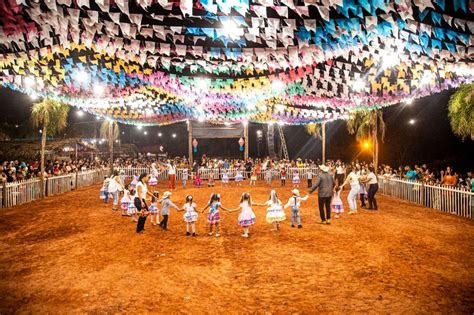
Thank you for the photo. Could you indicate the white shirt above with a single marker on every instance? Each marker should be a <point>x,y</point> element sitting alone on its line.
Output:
<point>295,201</point>
<point>171,169</point>
<point>144,190</point>
<point>114,185</point>
<point>372,178</point>
<point>353,178</point>
<point>339,170</point>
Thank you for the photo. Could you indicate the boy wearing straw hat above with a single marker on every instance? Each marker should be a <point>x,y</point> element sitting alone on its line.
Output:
<point>295,202</point>
<point>166,204</point>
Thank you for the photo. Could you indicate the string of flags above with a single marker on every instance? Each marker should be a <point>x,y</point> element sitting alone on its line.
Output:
<point>155,62</point>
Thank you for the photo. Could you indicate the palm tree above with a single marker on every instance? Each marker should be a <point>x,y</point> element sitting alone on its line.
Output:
<point>110,130</point>
<point>368,124</point>
<point>461,112</point>
<point>51,116</point>
<point>319,132</point>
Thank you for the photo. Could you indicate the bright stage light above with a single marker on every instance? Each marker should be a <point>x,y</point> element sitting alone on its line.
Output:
<point>145,133</point>
<point>34,97</point>
<point>271,123</point>
<point>427,77</point>
<point>358,86</point>
<point>277,85</point>
<point>281,123</point>
<point>259,132</point>
<point>98,89</point>
<point>411,121</point>
<point>97,117</point>
<point>29,82</point>
<point>80,113</point>
<point>203,84</point>
<point>139,127</point>
<point>174,135</point>
<point>408,101</point>
<point>245,123</point>
<point>159,134</point>
<point>366,144</point>
<point>227,123</point>
<point>231,29</point>
<point>390,60</point>
<point>81,76</point>
<point>280,107</point>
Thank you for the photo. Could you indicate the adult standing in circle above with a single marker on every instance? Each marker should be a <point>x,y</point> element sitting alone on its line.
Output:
<point>139,200</point>
<point>325,183</point>
<point>373,188</point>
<point>115,186</point>
<point>171,175</point>
<point>353,180</point>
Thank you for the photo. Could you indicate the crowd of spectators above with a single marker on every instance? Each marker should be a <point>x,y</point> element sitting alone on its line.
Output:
<point>17,170</point>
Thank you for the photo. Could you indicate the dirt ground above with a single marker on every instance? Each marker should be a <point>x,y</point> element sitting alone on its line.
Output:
<point>70,253</point>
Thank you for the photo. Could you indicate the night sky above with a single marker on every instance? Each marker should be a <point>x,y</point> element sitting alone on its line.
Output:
<point>429,140</point>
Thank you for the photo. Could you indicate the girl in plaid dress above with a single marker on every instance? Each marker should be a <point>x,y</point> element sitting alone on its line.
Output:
<point>213,217</point>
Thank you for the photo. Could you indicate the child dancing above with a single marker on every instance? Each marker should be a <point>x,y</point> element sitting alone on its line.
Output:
<point>336,203</point>
<point>190,215</point>
<point>295,202</point>
<point>213,217</point>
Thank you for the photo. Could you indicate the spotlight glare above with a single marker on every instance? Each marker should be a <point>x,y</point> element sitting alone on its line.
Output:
<point>408,101</point>
<point>98,89</point>
<point>160,134</point>
<point>358,86</point>
<point>277,85</point>
<point>411,122</point>
<point>29,81</point>
<point>280,107</point>
<point>34,97</point>
<point>174,135</point>
<point>81,76</point>
<point>139,127</point>
<point>80,113</point>
<point>390,60</point>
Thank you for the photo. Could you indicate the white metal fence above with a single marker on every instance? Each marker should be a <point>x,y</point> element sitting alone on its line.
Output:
<point>20,192</point>
<point>205,173</point>
<point>452,200</point>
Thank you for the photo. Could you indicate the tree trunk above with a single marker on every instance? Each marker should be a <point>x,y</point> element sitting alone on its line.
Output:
<point>190,142</point>
<point>375,140</point>
<point>111,147</point>
<point>323,132</point>
<point>43,148</point>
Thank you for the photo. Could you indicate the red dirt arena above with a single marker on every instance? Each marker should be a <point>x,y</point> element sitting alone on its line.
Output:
<point>70,253</point>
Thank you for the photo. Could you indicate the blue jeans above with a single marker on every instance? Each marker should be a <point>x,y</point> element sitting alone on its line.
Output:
<point>352,197</point>
<point>106,199</point>
<point>295,212</point>
<point>115,197</point>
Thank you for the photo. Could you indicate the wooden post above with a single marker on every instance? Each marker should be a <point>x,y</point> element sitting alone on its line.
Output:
<point>324,142</point>
<point>246,136</point>
<point>4,194</point>
<point>190,142</point>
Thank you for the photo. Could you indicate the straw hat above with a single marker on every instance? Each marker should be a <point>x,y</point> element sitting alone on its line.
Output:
<point>166,194</point>
<point>295,192</point>
<point>324,168</point>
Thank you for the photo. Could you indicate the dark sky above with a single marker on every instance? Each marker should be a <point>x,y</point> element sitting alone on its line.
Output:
<point>429,140</point>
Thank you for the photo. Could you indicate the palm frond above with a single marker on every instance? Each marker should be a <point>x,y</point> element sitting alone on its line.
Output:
<point>461,112</point>
<point>110,128</point>
<point>314,130</point>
